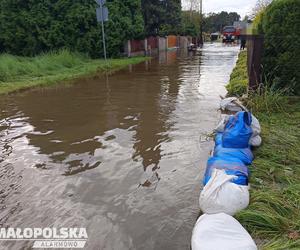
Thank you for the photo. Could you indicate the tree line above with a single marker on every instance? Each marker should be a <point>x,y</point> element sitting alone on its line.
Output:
<point>28,28</point>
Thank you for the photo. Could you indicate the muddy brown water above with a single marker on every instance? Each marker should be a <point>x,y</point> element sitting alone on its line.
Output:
<point>122,155</point>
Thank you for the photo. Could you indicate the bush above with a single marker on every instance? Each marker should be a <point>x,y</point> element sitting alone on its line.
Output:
<point>281,60</point>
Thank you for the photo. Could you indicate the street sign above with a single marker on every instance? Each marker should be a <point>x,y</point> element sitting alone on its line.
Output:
<point>102,14</point>
<point>101,2</point>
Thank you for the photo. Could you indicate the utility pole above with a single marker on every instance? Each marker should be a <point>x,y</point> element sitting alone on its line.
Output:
<point>201,23</point>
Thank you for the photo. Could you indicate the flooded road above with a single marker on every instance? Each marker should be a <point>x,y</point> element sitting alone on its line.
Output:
<point>121,155</point>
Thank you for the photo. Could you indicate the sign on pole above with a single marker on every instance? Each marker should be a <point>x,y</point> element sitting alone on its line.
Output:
<point>100,2</point>
<point>102,16</point>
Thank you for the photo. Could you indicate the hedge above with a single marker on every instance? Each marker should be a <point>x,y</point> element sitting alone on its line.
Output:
<point>280,24</point>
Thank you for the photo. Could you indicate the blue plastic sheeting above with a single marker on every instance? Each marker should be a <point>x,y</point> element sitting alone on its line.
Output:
<point>218,139</point>
<point>238,131</point>
<point>243,154</point>
<point>232,166</point>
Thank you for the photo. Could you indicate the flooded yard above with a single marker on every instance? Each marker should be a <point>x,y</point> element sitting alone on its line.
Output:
<point>122,155</point>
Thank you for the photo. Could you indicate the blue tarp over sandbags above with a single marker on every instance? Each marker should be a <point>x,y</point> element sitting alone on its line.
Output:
<point>238,131</point>
<point>243,154</point>
<point>218,139</point>
<point>232,166</point>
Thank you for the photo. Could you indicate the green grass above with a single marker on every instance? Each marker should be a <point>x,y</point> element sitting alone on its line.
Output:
<point>273,216</point>
<point>238,83</point>
<point>18,73</point>
<point>266,100</point>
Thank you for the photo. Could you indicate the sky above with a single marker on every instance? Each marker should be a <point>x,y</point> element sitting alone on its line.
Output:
<point>243,7</point>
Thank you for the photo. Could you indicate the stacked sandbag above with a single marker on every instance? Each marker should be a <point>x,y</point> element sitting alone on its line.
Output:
<point>255,139</point>
<point>231,166</point>
<point>220,232</point>
<point>222,195</point>
<point>226,189</point>
<point>238,131</point>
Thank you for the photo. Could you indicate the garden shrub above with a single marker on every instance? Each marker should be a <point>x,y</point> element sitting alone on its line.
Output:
<point>280,24</point>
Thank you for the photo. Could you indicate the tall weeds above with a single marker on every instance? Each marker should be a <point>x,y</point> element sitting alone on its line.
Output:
<point>266,99</point>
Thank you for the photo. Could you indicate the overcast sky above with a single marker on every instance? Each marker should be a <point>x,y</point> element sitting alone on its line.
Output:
<point>243,7</point>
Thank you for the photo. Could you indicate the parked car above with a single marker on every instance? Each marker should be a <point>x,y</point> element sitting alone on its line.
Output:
<point>229,34</point>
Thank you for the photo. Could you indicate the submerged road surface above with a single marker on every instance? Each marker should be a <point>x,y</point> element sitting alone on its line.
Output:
<point>121,155</point>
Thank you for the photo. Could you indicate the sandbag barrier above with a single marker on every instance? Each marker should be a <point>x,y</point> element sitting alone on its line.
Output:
<point>226,182</point>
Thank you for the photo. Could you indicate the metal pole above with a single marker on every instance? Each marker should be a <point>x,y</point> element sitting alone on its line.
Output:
<point>103,32</point>
<point>201,23</point>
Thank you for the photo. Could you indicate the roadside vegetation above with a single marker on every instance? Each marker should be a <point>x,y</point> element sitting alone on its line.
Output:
<point>272,217</point>
<point>18,73</point>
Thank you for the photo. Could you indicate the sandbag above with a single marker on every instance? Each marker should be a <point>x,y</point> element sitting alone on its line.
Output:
<point>220,232</point>
<point>222,196</point>
<point>218,139</point>
<point>256,129</point>
<point>255,141</point>
<point>238,131</point>
<point>255,125</point>
<point>231,104</point>
<point>232,166</point>
<point>222,123</point>
<point>243,154</point>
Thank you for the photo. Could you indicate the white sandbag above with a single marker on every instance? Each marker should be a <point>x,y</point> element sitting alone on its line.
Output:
<point>230,104</point>
<point>255,141</point>
<point>220,195</point>
<point>220,232</point>
<point>256,129</point>
<point>221,125</point>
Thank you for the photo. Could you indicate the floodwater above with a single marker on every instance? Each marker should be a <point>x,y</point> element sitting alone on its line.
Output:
<point>122,155</point>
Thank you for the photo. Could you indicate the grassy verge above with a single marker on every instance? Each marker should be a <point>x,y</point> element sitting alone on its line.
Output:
<point>239,77</point>
<point>273,216</point>
<point>18,73</point>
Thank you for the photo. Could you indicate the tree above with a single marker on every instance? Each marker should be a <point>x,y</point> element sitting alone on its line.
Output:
<point>260,6</point>
<point>161,16</point>
<point>214,22</point>
<point>31,27</point>
<point>190,25</point>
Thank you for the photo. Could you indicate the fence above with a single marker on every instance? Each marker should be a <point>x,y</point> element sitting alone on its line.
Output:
<point>152,45</point>
<point>137,45</point>
<point>255,44</point>
<point>172,41</point>
<point>152,42</point>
